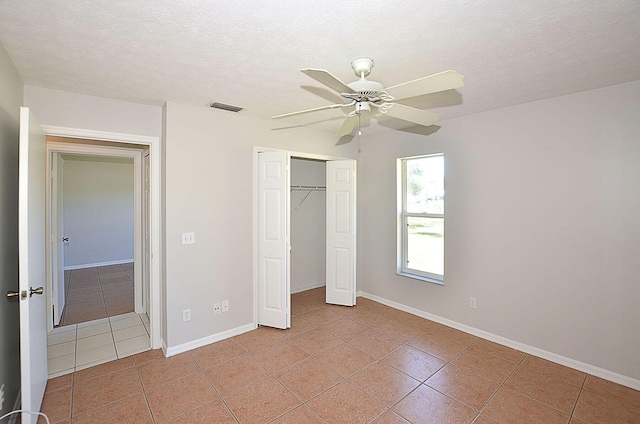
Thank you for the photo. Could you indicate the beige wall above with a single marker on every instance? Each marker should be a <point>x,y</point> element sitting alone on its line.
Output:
<point>11,93</point>
<point>542,224</point>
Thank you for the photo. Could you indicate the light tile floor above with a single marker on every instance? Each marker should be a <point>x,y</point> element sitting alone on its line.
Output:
<point>78,346</point>
<point>369,363</point>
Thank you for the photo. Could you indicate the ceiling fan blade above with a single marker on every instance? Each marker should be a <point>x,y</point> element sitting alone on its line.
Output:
<point>347,126</point>
<point>337,105</point>
<point>327,79</point>
<point>446,80</point>
<point>406,113</point>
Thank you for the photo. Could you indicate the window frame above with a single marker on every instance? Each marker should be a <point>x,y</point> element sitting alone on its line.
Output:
<point>403,227</point>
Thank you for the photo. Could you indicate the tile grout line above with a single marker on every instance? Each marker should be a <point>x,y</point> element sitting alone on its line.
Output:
<point>214,388</point>
<point>575,405</point>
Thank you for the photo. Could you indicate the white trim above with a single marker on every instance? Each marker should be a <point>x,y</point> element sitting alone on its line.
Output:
<point>98,135</point>
<point>97,264</point>
<point>532,350</point>
<point>194,344</point>
<point>155,151</point>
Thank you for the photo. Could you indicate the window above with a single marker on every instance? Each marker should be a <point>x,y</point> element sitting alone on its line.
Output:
<point>421,217</point>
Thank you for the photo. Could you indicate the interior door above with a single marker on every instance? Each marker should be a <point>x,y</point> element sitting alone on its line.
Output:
<point>341,232</point>
<point>57,237</point>
<point>274,288</point>
<point>31,251</point>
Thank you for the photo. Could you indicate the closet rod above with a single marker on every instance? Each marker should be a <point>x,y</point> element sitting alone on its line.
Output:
<point>307,188</point>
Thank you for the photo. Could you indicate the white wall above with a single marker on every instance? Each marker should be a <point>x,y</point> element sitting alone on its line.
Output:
<point>73,110</point>
<point>308,226</point>
<point>11,92</point>
<point>98,210</point>
<point>209,190</point>
<point>542,224</point>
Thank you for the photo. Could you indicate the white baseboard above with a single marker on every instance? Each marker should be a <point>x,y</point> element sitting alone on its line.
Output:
<point>308,287</point>
<point>174,350</point>
<point>532,350</point>
<point>118,262</point>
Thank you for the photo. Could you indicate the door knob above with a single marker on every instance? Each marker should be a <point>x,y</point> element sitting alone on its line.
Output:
<point>12,294</point>
<point>33,291</point>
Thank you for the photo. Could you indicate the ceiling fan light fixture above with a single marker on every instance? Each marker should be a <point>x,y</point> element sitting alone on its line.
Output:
<point>363,106</point>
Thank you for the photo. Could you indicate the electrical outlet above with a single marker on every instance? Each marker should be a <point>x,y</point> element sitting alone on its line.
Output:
<point>472,302</point>
<point>188,238</point>
<point>225,306</point>
<point>186,315</point>
<point>216,309</point>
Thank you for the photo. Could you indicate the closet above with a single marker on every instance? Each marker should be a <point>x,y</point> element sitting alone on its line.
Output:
<point>280,198</point>
<point>308,224</point>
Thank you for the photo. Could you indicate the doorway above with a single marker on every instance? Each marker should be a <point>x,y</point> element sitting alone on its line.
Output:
<point>142,154</point>
<point>308,224</point>
<point>272,233</point>
<point>95,218</point>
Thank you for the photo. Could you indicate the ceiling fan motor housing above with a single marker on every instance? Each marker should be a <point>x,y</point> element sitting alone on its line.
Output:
<point>362,65</point>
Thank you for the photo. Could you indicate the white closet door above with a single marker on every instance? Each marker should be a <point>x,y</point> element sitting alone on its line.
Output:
<point>341,232</point>
<point>273,240</point>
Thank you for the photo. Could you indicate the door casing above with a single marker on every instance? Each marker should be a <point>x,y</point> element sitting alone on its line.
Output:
<point>153,143</point>
<point>55,149</point>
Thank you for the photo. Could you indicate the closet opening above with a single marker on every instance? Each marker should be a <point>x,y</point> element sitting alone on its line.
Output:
<point>304,231</point>
<point>308,206</point>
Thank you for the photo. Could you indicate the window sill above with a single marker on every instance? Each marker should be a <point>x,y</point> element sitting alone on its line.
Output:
<point>421,278</point>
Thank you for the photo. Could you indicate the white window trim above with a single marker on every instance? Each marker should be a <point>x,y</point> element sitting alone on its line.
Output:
<point>402,241</point>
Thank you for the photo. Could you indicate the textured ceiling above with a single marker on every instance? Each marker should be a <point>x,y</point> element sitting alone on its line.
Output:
<point>249,53</point>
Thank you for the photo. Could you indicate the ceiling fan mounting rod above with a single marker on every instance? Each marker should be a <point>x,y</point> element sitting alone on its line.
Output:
<point>362,66</point>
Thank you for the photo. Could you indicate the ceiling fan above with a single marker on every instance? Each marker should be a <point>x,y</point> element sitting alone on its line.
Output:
<point>366,96</point>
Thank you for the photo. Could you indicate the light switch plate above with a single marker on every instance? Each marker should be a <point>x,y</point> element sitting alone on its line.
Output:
<point>188,238</point>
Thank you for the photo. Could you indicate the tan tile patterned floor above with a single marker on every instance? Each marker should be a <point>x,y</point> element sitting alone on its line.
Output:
<point>97,292</point>
<point>366,364</point>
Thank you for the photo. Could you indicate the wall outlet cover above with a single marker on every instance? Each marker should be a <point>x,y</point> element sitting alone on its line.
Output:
<point>188,238</point>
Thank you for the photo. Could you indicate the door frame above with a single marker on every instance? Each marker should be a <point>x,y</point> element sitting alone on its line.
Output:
<point>291,154</point>
<point>154,145</point>
<point>57,148</point>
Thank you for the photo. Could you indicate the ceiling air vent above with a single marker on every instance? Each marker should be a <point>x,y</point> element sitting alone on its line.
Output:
<point>222,106</point>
